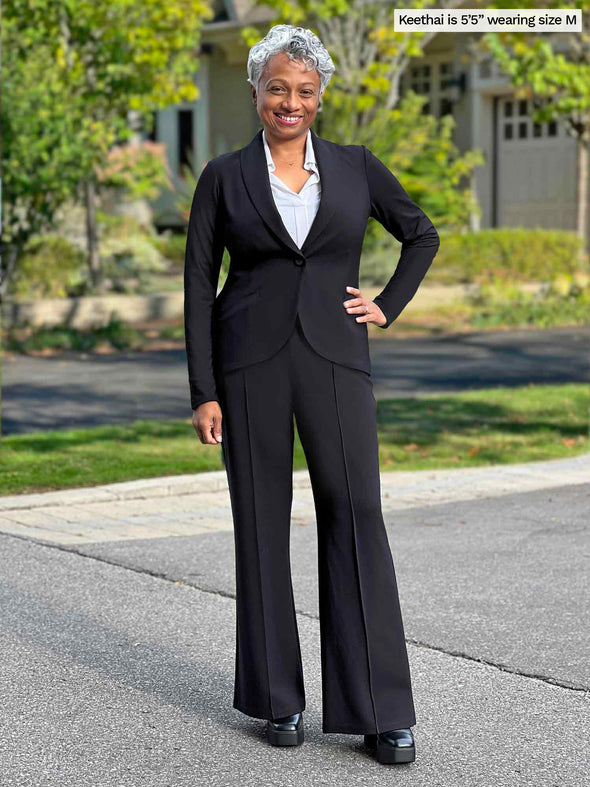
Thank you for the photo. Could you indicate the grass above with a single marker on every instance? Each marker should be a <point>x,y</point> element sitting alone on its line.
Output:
<point>491,426</point>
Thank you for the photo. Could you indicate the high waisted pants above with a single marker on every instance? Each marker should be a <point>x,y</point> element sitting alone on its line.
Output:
<point>366,685</point>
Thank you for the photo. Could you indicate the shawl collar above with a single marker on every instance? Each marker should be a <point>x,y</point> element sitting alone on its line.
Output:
<point>257,182</point>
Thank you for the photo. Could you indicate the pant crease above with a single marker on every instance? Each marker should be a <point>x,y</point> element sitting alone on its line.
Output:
<point>355,546</point>
<point>293,610</point>
<point>248,430</point>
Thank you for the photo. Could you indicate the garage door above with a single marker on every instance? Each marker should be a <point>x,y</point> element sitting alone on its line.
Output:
<point>536,169</point>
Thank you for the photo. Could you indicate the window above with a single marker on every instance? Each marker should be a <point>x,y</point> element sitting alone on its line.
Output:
<point>185,138</point>
<point>521,126</point>
<point>420,78</point>
<point>151,126</point>
<point>432,81</point>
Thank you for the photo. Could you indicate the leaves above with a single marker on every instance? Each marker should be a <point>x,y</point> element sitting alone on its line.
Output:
<point>72,72</point>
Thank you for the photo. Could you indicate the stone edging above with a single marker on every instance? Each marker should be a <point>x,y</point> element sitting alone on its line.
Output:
<point>144,488</point>
<point>216,481</point>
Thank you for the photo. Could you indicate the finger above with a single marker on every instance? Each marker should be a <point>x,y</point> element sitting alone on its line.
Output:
<point>217,431</point>
<point>200,434</point>
<point>366,314</point>
<point>204,431</point>
<point>209,435</point>
<point>361,308</point>
<point>197,429</point>
<point>353,302</point>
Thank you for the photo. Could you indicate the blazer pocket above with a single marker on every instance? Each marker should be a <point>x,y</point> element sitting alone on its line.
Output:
<point>229,308</point>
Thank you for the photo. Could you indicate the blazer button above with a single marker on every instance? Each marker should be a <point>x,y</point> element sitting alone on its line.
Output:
<point>298,261</point>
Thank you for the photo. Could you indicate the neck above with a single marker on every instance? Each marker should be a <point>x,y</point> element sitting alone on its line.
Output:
<point>289,148</point>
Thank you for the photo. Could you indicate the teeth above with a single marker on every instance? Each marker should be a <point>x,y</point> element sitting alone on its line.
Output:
<point>289,118</point>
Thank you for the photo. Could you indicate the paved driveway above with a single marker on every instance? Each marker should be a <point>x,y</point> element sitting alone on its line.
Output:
<point>118,624</point>
<point>70,391</point>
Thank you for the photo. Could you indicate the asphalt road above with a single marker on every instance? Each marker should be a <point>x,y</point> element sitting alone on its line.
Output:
<point>71,391</point>
<point>118,657</point>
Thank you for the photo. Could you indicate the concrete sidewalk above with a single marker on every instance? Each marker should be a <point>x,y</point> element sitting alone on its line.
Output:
<point>193,504</point>
<point>118,626</point>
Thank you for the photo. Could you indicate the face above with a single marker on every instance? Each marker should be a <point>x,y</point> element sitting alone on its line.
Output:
<point>287,88</point>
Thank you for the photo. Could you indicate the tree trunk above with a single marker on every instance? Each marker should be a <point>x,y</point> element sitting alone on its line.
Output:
<point>92,236</point>
<point>9,255</point>
<point>582,218</point>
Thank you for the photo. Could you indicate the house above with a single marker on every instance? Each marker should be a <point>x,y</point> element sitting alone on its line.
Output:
<point>529,178</point>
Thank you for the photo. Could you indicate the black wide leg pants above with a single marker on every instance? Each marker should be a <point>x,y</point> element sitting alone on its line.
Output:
<point>366,685</point>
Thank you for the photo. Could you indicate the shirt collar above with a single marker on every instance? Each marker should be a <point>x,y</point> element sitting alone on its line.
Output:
<point>310,159</point>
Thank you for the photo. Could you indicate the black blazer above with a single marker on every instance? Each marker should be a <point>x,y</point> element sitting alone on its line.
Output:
<point>271,279</point>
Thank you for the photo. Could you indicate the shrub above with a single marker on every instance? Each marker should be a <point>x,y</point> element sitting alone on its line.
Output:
<point>128,262</point>
<point>128,253</point>
<point>172,246</point>
<point>50,267</point>
<point>509,254</point>
<point>563,301</point>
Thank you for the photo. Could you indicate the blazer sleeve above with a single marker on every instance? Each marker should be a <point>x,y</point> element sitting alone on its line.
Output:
<point>393,208</point>
<point>202,263</point>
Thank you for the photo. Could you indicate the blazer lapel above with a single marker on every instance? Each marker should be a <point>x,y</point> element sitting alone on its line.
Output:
<point>257,182</point>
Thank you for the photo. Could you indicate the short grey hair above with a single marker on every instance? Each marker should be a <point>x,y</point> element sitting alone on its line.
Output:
<point>298,43</point>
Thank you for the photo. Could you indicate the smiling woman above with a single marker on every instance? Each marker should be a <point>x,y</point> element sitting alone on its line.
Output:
<point>286,99</point>
<point>287,96</point>
<point>287,339</point>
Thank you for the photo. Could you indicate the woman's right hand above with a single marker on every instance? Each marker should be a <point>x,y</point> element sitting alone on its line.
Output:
<point>207,422</point>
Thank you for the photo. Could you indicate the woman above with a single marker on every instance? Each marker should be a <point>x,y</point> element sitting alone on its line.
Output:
<point>287,338</point>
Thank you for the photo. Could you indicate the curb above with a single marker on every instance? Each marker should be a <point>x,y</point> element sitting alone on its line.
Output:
<point>142,489</point>
<point>216,481</point>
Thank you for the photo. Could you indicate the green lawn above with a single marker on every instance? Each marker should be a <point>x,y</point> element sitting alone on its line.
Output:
<point>491,426</point>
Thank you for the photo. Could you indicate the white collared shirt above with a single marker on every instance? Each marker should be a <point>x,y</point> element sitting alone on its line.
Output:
<point>297,210</point>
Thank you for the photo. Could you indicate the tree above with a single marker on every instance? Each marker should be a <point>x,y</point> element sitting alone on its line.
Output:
<point>101,60</point>
<point>42,157</point>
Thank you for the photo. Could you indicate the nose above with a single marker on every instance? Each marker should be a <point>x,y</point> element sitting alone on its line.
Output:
<point>290,103</point>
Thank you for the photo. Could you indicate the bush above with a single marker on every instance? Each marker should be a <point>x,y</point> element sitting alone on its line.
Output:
<point>50,267</point>
<point>128,253</point>
<point>115,333</point>
<point>509,254</point>
<point>563,301</point>
<point>128,262</point>
<point>512,254</point>
<point>172,246</point>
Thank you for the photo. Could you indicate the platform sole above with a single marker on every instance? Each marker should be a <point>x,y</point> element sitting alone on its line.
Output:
<point>390,754</point>
<point>285,737</point>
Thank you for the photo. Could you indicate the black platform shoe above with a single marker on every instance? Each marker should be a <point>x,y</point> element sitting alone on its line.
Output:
<point>393,746</point>
<point>286,730</point>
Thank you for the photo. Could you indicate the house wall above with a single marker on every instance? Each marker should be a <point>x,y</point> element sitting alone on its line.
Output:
<point>233,116</point>
<point>224,118</point>
<point>525,182</point>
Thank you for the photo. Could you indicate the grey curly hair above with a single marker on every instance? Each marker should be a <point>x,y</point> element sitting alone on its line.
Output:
<point>298,43</point>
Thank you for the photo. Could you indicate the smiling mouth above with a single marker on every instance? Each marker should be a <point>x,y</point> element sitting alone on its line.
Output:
<point>292,119</point>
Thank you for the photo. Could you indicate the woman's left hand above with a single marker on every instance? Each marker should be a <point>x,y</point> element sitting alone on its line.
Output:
<point>367,310</point>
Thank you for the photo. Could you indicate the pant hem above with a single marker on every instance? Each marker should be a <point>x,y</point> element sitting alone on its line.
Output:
<point>258,714</point>
<point>355,729</point>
